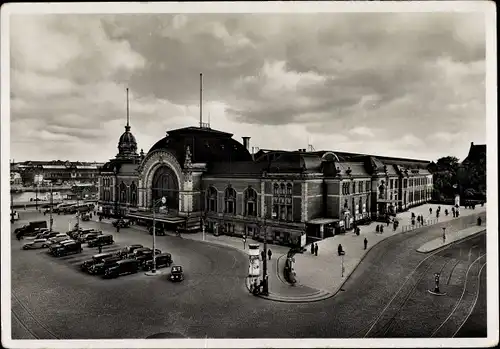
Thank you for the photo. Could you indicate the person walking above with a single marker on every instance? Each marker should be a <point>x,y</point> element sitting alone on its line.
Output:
<point>340,250</point>
<point>479,220</point>
<point>377,229</point>
<point>365,243</point>
<point>117,228</point>
<point>262,254</point>
<point>100,248</point>
<point>315,249</point>
<point>437,214</point>
<point>244,242</point>
<point>381,229</point>
<point>430,210</point>
<point>269,253</point>
<point>312,248</point>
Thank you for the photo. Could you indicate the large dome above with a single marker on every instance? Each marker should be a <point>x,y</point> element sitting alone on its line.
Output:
<point>127,145</point>
<point>206,145</point>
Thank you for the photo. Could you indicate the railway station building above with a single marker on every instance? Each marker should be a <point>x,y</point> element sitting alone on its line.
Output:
<point>209,178</point>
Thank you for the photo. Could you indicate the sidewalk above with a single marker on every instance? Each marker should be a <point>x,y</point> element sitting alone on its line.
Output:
<point>324,272</point>
<point>451,237</point>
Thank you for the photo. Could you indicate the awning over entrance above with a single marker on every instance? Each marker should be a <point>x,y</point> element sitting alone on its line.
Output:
<point>159,217</point>
<point>319,221</point>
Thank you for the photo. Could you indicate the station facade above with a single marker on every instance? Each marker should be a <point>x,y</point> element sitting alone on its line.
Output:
<point>210,179</point>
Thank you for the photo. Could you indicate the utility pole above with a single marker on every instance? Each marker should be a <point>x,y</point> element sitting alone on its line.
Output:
<point>265,285</point>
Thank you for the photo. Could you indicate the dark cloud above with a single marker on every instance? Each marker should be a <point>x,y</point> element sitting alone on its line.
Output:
<point>392,77</point>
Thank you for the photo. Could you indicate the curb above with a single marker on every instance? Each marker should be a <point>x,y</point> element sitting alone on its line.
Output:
<point>453,242</point>
<point>314,297</point>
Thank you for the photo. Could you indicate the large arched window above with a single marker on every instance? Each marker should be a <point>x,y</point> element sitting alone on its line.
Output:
<point>276,189</point>
<point>165,185</point>
<point>212,199</point>
<point>133,194</point>
<point>289,189</point>
<point>251,202</point>
<point>123,192</point>
<point>230,199</point>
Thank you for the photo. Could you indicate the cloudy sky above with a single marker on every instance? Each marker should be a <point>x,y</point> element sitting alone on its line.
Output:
<point>397,84</point>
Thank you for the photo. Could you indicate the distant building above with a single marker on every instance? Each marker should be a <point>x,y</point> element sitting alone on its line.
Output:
<point>204,175</point>
<point>57,172</point>
<point>472,173</point>
<point>16,179</point>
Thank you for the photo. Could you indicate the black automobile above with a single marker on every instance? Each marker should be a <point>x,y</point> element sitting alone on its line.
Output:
<point>89,236</point>
<point>176,273</point>
<point>144,254</point>
<point>126,266</point>
<point>64,249</point>
<point>122,223</point>
<point>129,250</point>
<point>162,260</point>
<point>100,268</point>
<point>47,235</point>
<point>101,240</point>
<point>96,259</point>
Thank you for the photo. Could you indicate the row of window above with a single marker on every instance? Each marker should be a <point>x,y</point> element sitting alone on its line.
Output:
<point>106,182</point>
<point>250,199</point>
<point>283,189</point>
<point>355,187</point>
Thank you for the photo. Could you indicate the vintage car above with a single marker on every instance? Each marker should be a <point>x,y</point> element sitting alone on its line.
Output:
<point>127,266</point>
<point>106,263</point>
<point>176,273</point>
<point>65,247</point>
<point>98,258</point>
<point>36,244</point>
<point>159,231</point>
<point>58,238</point>
<point>122,223</point>
<point>101,240</point>
<point>129,250</point>
<point>89,236</point>
<point>162,260</point>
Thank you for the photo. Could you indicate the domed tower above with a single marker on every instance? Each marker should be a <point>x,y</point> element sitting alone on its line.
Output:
<point>127,145</point>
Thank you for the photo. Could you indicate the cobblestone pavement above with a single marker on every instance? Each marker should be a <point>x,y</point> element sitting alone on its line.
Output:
<point>324,271</point>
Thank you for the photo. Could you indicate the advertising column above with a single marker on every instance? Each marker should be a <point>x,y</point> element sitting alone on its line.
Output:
<point>254,262</point>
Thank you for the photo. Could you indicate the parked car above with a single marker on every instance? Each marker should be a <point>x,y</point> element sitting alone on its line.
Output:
<point>86,265</point>
<point>36,244</point>
<point>47,235</point>
<point>89,236</point>
<point>127,266</point>
<point>176,273</point>
<point>144,254</point>
<point>58,238</point>
<point>101,240</point>
<point>65,248</point>
<point>162,260</point>
<point>122,223</point>
<point>30,229</point>
<point>106,263</point>
<point>129,250</point>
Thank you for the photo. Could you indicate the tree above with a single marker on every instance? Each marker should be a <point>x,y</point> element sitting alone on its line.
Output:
<point>445,177</point>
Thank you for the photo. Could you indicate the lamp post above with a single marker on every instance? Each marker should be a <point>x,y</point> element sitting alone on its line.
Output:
<point>444,235</point>
<point>265,283</point>
<point>163,200</point>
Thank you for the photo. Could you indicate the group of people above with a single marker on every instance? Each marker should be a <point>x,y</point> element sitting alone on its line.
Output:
<point>418,219</point>
<point>314,249</point>
<point>263,254</point>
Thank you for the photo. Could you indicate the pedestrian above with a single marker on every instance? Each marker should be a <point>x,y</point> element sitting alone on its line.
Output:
<point>413,222</point>
<point>366,243</point>
<point>418,219</point>
<point>339,249</point>
<point>269,253</point>
<point>479,220</point>
<point>315,249</point>
<point>358,231</point>
<point>244,242</point>
<point>388,221</point>
<point>100,248</point>
<point>457,213</point>
<point>395,225</point>
<point>262,254</point>
<point>446,212</point>
<point>377,229</point>
<point>381,229</point>
<point>437,214</point>
<point>430,210</point>
<point>312,248</point>
<point>117,228</point>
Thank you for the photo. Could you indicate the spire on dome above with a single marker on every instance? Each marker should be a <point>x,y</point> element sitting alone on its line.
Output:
<point>127,145</point>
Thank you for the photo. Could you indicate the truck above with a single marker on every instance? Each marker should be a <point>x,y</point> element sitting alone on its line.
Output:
<point>30,229</point>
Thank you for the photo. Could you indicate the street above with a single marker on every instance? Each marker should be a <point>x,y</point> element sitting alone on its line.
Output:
<point>386,296</point>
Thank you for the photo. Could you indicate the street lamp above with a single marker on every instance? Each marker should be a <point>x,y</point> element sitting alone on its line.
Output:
<point>163,200</point>
<point>444,235</point>
<point>265,281</point>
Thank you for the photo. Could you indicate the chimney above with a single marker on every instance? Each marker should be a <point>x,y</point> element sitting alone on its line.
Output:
<point>246,142</point>
<point>471,144</point>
